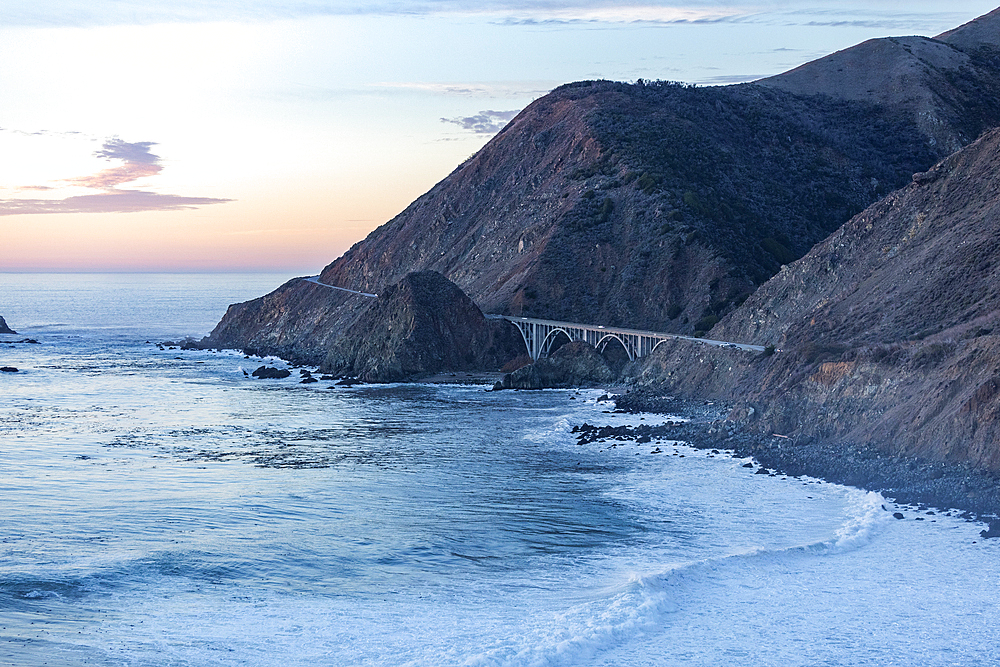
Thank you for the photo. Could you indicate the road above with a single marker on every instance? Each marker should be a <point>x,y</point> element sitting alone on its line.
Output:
<point>706,341</point>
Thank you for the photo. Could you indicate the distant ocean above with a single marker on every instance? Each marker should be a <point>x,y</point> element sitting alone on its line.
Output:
<point>160,508</point>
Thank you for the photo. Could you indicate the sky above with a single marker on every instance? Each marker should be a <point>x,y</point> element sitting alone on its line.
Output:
<point>267,135</point>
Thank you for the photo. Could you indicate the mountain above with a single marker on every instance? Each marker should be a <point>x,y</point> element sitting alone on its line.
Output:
<point>889,330</point>
<point>656,205</point>
<point>946,83</point>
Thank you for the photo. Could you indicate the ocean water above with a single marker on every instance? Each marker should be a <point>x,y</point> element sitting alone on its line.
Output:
<point>159,508</point>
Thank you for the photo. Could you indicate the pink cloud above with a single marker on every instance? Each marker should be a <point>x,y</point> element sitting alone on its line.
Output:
<point>139,162</point>
<point>114,201</point>
<point>109,179</point>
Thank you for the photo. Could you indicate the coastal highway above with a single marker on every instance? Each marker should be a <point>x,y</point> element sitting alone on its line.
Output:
<point>315,280</point>
<point>706,341</point>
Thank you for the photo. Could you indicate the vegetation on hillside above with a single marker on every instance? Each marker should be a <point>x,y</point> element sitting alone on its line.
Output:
<point>759,174</point>
<point>755,174</point>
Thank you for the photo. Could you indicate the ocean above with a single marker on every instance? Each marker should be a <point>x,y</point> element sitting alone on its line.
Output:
<point>161,508</point>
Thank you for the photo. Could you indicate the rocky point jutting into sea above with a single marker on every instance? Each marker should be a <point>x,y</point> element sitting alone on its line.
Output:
<point>844,212</point>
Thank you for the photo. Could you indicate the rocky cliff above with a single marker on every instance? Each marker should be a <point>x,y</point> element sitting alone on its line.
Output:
<point>656,205</point>
<point>422,325</point>
<point>299,321</point>
<point>889,330</point>
<point>575,364</point>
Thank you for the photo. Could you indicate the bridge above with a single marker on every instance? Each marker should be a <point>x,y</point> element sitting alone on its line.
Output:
<point>541,337</point>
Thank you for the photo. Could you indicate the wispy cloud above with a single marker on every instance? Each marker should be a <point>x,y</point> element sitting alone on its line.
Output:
<point>873,13</point>
<point>616,13</point>
<point>139,162</point>
<point>120,12</point>
<point>136,153</point>
<point>118,201</point>
<point>494,89</point>
<point>728,79</point>
<point>484,122</point>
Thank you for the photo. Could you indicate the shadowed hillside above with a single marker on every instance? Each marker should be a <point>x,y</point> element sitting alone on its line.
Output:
<point>889,329</point>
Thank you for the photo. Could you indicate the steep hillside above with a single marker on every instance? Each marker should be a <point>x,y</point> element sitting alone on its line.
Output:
<point>890,328</point>
<point>654,205</point>
<point>982,33</point>
<point>650,205</point>
<point>939,83</point>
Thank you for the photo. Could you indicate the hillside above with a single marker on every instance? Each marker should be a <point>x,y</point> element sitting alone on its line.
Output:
<point>940,82</point>
<point>651,205</point>
<point>889,329</point>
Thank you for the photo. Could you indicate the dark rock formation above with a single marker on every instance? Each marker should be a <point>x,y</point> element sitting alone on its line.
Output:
<point>4,329</point>
<point>574,364</point>
<point>8,369</point>
<point>298,322</point>
<point>424,324</point>
<point>271,373</point>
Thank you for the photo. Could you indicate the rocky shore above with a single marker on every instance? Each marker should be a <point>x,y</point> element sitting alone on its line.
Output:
<point>922,483</point>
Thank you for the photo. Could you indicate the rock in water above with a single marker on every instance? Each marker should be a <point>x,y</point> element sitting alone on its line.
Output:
<point>423,324</point>
<point>4,329</point>
<point>270,373</point>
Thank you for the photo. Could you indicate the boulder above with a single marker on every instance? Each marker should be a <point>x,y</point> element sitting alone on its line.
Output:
<point>270,373</point>
<point>422,325</point>
<point>572,365</point>
<point>8,369</point>
<point>993,531</point>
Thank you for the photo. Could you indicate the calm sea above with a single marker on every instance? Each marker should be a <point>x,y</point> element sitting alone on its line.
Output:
<point>161,508</point>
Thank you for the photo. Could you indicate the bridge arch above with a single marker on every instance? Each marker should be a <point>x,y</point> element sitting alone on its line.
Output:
<point>602,345</point>
<point>658,344</point>
<point>548,343</point>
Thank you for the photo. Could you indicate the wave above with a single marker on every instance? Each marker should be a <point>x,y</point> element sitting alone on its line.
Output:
<point>641,606</point>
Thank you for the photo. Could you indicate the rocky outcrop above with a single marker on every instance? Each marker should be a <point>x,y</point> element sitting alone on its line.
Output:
<point>422,325</point>
<point>4,329</point>
<point>298,321</point>
<point>889,330</point>
<point>575,364</point>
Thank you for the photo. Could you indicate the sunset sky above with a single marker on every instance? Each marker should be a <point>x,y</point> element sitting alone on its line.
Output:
<point>191,135</point>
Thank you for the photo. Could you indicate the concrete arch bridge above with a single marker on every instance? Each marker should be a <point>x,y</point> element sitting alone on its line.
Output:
<point>542,337</point>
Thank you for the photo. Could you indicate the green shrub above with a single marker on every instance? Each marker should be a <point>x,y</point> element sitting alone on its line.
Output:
<point>706,323</point>
<point>604,212</point>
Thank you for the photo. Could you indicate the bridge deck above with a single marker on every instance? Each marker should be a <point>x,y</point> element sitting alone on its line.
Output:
<point>539,335</point>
